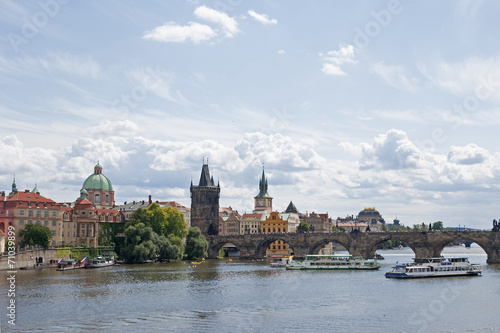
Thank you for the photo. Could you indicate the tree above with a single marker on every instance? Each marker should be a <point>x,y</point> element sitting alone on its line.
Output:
<point>176,225</point>
<point>437,226</point>
<point>163,221</point>
<point>196,244</point>
<point>302,227</point>
<point>35,234</point>
<point>139,245</point>
<point>169,248</point>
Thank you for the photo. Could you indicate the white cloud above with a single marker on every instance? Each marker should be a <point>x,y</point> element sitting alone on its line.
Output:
<point>262,18</point>
<point>174,33</point>
<point>470,154</point>
<point>334,60</point>
<point>472,78</point>
<point>229,25</point>
<point>81,65</point>
<point>395,76</point>
<point>281,51</point>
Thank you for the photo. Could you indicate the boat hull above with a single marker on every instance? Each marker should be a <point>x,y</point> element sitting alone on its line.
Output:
<point>407,276</point>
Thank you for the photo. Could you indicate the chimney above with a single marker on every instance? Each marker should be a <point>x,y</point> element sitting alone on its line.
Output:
<point>150,201</point>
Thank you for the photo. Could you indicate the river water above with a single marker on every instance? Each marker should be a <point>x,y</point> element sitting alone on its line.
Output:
<point>250,296</point>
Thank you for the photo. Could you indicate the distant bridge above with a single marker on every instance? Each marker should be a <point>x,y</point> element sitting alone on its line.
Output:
<point>364,244</point>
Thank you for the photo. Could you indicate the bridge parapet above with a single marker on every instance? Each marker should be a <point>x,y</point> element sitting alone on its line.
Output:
<point>423,244</point>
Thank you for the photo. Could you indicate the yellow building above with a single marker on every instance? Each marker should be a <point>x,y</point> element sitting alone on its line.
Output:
<point>275,224</point>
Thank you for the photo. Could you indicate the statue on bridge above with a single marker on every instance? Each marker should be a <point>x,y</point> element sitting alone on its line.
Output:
<point>496,227</point>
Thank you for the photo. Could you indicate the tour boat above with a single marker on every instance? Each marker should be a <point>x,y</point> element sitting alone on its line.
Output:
<point>101,261</point>
<point>280,261</point>
<point>434,267</point>
<point>68,264</point>
<point>332,262</point>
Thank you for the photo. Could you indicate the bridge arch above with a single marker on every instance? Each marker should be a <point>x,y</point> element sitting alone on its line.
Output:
<point>439,247</point>
<point>263,245</point>
<point>420,246</point>
<point>316,247</point>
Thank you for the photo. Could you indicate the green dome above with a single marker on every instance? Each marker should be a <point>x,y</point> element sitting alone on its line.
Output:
<point>97,181</point>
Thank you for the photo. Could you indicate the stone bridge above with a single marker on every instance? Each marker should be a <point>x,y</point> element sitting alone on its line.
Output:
<point>423,244</point>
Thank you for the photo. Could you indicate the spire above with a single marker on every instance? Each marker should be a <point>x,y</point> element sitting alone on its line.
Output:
<point>35,190</point>
<point>205,179</point>
<point>263,186</point>
<point>14,187</point>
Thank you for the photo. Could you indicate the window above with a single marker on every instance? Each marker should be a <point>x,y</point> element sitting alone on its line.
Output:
<point>46,223</point>
<point>21,212</point>
<point>30,213</point>
<point>53,232</point>
<point>107,198</point>
<point>62,234</point>
<point>54,214</point>
<point>38,213</point>
<point>38,222</point>
<point>30,222</point>
<point>96,198</point>
<point>54,223</point>
<point>46,214</point>
<point>21,222</point>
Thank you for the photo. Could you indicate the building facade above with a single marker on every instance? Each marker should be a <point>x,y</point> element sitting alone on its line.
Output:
<point>99,189</point>
<point>205,203</point>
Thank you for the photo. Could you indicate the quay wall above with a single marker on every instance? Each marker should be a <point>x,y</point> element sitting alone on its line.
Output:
<point>28,258</point>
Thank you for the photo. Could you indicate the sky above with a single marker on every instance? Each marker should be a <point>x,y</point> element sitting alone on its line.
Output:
<point>345,104</point>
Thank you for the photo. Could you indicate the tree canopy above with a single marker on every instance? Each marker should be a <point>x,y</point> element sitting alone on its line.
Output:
<point>35,234</point>
<point>163,221</point>
<point>196,244</point>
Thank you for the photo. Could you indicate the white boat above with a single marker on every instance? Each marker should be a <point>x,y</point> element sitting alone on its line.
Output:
<point>332,262</point>
<point>101,261</point>
<point>434,267</point>
<point>280,261</point>
<point>68,264</point>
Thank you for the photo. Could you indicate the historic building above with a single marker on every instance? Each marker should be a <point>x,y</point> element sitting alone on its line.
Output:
<point>318,222</point>
<point>229,225</point>
<point>99,189</point>
<point>275,224</point>
<point>20,208</point>
<point>263,201</point>
<point>205,203</point>
<point>372,218</point>
<point>250,224</point>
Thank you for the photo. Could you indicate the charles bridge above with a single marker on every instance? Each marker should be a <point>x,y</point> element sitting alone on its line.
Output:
<point>364,244</point>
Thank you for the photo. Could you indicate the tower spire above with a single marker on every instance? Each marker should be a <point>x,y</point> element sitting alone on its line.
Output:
<point>14,186</point>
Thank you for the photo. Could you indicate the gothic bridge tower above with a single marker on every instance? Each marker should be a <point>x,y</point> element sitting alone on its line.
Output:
<point>205,203</point>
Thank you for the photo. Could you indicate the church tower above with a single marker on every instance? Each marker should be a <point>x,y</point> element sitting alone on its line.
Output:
<point>205,203</point>
<point>263,201</point>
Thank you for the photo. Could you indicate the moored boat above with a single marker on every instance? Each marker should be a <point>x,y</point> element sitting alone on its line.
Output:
<point>434,267</point>
<point>68,264</point>
<point>280,261</point>
<point>332,262</point>
<point>101,261</point>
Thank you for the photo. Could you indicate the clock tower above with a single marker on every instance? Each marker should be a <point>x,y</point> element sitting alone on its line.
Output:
<point>263,201</point>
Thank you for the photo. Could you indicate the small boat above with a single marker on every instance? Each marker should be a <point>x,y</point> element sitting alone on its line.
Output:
<point>434,267</point>
<point>332,262</point>
<point>229,260</point>
<point>68,264</point>
<point>101,261</point>
<point>280,261</point>
<point>195,262</point>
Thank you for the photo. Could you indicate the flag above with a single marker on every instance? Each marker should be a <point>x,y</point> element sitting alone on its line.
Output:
<point>83,260</point>
<point>60,261</point>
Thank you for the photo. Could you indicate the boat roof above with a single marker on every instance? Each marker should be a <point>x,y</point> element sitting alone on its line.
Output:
<point>329,255</point>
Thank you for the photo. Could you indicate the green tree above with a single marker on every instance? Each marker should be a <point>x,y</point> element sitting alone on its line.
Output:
<point>139,243</point>
<point>176,225</point>
<point>196,244</point>
<point>436,226</point>
<point>163,221</point>
<point>302,227</point>
<point>35,234</point>
<point>169,248</point>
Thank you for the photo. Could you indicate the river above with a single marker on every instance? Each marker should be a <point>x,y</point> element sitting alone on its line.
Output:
<point>250,296</point>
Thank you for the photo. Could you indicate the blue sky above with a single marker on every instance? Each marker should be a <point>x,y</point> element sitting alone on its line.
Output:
<point>352,104</point>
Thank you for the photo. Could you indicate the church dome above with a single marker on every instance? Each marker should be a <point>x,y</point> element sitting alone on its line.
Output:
<point>97,181</point>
